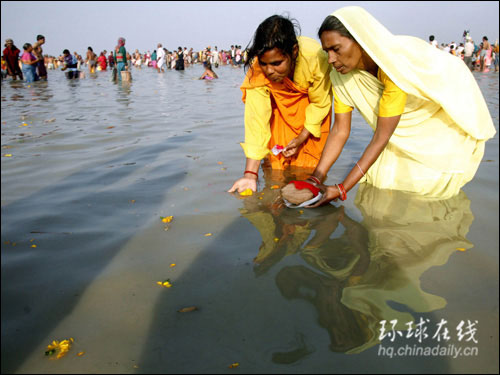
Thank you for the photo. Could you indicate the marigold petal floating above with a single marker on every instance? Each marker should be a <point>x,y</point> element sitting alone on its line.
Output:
<point>167,219</point>
<point>62,346</point>
<point>207,234</point>
<point>234,365</point>
<point>173,265</point>
<point>247,192</point>
<point>188,309</point>
<point>274,187</point>
<point>80,354</point>
<point>8,155</point>
<point>461,249</point>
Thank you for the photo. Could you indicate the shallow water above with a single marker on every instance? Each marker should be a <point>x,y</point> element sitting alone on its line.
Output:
<point>94,167</point>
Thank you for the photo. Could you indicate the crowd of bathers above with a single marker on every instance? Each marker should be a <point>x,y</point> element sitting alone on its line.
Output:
<point>32,65</point>
<point>478,57</point>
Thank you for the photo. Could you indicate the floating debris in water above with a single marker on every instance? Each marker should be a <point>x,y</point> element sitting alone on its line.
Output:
<point>63,348</point>
<point>188,309</point>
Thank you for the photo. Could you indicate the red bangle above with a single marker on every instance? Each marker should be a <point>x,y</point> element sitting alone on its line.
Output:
<point>315,179</point>
<point>252,173</point>
<point>343,194</point>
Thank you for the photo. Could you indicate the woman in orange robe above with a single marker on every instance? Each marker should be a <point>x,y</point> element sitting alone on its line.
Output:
<point>288,101</point>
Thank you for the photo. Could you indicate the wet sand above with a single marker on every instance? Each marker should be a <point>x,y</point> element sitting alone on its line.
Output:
<point>94,167</point>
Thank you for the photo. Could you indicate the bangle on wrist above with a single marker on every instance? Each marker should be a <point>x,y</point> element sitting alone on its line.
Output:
<point>343,193</point>
<point>363,173</point>
<point>255,173</point>
<point>315,179</point>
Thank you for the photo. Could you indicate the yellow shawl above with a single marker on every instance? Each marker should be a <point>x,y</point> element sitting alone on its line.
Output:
<point>439,141</point>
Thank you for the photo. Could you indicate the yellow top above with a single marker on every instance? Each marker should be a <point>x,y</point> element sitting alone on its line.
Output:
<point>391,104</point>
<point>312,73</point>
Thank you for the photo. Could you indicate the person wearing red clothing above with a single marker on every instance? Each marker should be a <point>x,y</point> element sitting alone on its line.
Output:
<point>11,55</point>
<point>102,61</point>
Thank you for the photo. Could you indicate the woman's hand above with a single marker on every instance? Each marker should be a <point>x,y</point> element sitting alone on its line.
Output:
<point>329,193</point>
<point>243,184</point>
<point>292,148</point>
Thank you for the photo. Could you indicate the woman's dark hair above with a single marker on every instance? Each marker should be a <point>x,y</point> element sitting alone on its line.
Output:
<point>26,46</point>
<point>66,51</point>
<point>332,23</point>
<point>90,49</point>
<point>274,32</point>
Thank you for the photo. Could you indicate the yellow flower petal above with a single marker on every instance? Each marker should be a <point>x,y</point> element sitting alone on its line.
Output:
<point>167,219</point>
<point>461,249</point>
<point>173,265</point>
<point>207,234</point>
<point>274,187</point>
<point>234,365</point>
<point>246,192</point>
<point>80,354</point>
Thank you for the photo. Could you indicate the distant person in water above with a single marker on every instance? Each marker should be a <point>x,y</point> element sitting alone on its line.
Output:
<point>38,52</point>
<point>208,74</point>
<point>11,55</point>
<point>91,60</point>
<point>120,57</point>
<point>29,61</point>
<point>70,63</point>
<point>179,64</point>
<point>102,61</point>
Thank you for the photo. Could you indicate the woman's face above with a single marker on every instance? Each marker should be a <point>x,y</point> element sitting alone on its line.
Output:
<point>343,53</point>
<point>275,65</point>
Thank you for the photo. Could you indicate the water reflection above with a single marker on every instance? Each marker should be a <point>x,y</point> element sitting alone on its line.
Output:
<point>354,272</point>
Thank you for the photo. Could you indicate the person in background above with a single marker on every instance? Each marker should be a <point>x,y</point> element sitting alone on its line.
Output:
<point>495,60</point>
<point>486,48</point>
<point>179,64</point>
<point>111,60</point>
<point>37,50</point>
<point>91,60</point>
<point>102,61</point>
<point>70,63</point>
<point>468,51</point>
<point>159,59</point>
<point>11,55</point>
<point>121,57</point>
<point>208,74</point>
<point>433,41</point>
<point>29,61</point>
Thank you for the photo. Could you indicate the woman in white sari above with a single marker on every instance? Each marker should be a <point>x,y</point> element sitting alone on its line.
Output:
<point>429,117</point>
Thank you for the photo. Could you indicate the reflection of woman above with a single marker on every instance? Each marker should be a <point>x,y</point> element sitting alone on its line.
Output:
<point>428,114</point>
<point>408,236</point>
<point>287,97</point>
<point>354,273</point>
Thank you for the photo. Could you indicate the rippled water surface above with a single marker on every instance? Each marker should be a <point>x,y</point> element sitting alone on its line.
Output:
<point>90,167</point>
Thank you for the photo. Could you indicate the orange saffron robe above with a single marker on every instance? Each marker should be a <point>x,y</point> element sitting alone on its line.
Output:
<point>289,103</point>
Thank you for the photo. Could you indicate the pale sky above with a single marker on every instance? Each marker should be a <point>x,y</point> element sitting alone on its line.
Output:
<point>75,25</point>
